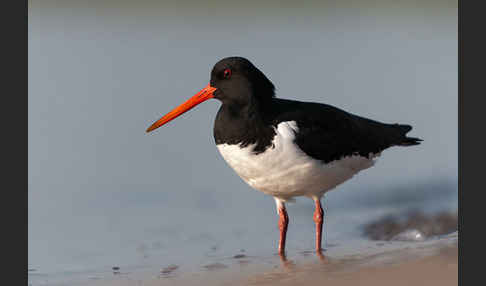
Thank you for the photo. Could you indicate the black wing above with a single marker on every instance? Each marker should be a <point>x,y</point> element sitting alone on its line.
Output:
<point>327,133</point>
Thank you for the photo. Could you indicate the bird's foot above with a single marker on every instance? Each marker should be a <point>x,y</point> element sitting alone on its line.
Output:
<point>320,255</point>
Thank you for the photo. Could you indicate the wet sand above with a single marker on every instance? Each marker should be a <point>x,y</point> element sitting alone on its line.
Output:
<point>439,269</point>
<point>430,262</point>
<point>390,256</point>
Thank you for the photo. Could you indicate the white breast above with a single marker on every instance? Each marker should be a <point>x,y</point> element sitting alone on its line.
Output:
<point>285,171</point>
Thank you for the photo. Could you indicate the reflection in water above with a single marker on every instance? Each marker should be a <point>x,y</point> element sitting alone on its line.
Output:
<point>285,262</point>
<point>443,250</point>
<point>321,256</point>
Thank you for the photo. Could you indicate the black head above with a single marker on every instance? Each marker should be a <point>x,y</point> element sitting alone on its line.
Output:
<point>236,82</point>
<point>239,82</point>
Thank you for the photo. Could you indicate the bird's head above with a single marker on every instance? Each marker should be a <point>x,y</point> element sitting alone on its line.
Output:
<point>238,81</point>
<point>235,81</point>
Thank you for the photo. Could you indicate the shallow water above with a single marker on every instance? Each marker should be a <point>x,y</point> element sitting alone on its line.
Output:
<point>211,241</point>
<point>263,269</point>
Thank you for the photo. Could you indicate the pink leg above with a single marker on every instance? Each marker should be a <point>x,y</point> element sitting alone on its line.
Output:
<point>283,222</point>
<point>318,219</point>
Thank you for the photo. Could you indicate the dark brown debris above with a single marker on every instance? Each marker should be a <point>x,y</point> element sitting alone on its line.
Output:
<point>215,266</point>
<point>429,225</point>
<point>169,269</point>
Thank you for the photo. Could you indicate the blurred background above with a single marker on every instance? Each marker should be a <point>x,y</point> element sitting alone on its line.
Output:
<point>102,192</point>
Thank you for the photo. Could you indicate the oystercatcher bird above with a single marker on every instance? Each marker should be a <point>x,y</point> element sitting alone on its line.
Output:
<point>286,148</point>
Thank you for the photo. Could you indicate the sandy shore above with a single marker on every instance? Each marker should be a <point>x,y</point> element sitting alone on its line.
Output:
<point>387,257</point>
<point>430,262</point>
<point>440,269</point>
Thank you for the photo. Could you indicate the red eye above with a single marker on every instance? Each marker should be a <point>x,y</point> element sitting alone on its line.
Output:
<point>227,73</point>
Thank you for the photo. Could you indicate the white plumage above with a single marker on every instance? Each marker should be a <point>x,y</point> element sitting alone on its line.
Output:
<point>285,171</point>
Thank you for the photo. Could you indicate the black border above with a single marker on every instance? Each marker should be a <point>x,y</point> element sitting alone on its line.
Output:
<point>14,25</point>
<point>471,60</point>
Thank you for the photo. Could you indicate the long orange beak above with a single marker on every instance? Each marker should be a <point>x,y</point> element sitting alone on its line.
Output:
<point>203,95</point>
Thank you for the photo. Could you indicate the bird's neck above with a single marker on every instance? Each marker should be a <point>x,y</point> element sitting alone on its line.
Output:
<point>243,125</point>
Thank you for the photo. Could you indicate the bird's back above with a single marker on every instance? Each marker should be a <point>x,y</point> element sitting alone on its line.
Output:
<point>328,133</point>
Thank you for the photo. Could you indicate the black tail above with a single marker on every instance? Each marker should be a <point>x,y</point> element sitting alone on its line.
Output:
<point>407,141</point>
<point>410,141</point>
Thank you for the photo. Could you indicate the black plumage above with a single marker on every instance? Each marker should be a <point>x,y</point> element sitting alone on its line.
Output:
<point>250,112</point>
